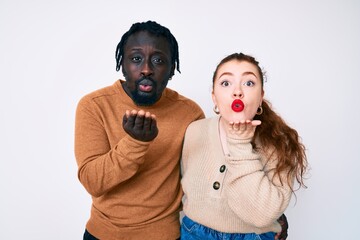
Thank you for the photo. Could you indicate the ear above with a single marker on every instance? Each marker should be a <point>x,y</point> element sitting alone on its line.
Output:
<point>123,72</point>
<point>213,98</point>
<point>172,71</point>
<point>262,96</point>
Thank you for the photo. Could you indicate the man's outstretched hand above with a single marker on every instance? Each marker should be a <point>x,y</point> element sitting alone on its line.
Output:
<point>140,125</point>
<point>284,228</point>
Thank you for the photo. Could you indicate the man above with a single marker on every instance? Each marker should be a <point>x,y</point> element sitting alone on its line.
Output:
<point>128,140</point>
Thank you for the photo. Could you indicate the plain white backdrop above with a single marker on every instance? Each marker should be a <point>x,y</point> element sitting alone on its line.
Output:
<point>54,52</point>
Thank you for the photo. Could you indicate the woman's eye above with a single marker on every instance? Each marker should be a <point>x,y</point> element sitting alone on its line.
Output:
<point>249,83</point>
<point>225,83</point>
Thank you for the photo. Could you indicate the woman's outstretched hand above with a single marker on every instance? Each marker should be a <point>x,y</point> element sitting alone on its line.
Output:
<point>243,129</point>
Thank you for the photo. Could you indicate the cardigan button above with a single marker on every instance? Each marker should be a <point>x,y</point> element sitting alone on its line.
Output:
<point>222,168</point>
<point>216,185</point>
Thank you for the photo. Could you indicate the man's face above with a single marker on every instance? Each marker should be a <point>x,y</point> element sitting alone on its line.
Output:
<point>146,67</point>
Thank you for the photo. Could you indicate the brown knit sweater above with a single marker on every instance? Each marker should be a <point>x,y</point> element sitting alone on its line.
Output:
<point>135,186</point>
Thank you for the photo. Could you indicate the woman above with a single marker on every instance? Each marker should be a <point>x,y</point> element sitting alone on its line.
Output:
<point>239,167</point>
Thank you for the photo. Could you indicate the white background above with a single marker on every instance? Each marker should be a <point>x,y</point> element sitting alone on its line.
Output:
<point>54,52</point>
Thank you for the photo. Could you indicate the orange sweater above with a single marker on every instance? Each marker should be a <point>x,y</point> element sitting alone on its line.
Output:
<point>135,186</point>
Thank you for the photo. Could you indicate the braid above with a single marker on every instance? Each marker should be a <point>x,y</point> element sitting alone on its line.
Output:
<point>153,28</point>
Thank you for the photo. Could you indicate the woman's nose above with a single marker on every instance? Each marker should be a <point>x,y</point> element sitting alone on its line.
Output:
<point>237,93</point>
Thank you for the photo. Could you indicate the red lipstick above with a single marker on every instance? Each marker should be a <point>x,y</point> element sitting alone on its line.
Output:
<point>237,105</point>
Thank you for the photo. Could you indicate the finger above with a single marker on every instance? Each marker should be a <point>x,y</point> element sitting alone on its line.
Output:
<point>147,114</point>
<point>127,113</point>
<point>125,118</point>
<point>133,112</point>
<point>277,236</point>
<point>231,126</point>
<point>283,237</point>
<point>236,126</point>
<point>139,120</point>
<point>242,126</point>
<point>130,118</point>
<point>147,121</point>
<point>153,126</point>
<point>141,113</point>
<point>255,122</point>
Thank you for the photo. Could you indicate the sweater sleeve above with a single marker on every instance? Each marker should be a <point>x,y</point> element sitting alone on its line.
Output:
<point>253,194</point>
<point>100,166</point>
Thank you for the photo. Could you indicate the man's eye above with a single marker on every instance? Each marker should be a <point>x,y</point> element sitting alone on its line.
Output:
<point>158,60</point>
<point>225,83</point>
<point>136,59</point>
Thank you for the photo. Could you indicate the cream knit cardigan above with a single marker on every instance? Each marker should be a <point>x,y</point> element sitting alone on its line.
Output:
<point>247,200</point>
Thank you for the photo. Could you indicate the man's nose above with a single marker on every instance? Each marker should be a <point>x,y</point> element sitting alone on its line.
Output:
<point>146,69</point>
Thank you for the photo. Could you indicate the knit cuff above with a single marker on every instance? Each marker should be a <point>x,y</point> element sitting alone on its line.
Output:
<point>134,150</point>
<point>241,149</point>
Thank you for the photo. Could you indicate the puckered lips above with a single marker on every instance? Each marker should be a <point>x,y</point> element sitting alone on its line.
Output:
<point>145,85</point>
<point>237,105</point>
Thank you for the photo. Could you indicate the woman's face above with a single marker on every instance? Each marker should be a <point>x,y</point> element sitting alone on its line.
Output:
<point>237,80</point>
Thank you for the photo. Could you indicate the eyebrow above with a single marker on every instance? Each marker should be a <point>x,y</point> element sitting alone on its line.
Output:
<point>136,48</point>
<point>249,73</point>
<point>226,73</point>
<point>231,74</point>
